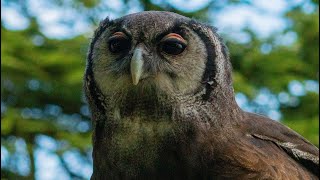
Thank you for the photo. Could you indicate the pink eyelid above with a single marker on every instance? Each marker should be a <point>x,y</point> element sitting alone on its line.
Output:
<point>176,36</point>
<point>119,34</point>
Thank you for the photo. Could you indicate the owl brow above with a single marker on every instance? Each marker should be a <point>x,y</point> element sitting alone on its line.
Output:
<point>121,29</point>
<point>126,31</point>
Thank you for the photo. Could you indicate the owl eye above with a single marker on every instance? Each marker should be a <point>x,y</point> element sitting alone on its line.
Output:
<point>173,44</point>
<point>119,42</point>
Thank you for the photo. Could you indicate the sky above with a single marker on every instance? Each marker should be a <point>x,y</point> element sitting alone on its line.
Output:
<point>264,17</point>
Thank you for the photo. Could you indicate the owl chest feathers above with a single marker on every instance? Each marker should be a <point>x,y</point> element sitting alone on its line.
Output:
<point>151,131</point>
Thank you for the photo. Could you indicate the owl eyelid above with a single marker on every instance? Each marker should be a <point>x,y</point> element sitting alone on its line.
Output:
<point>172,46</point>
<point>119,43</point>
<point>113,38</point>
<point>174,36</point>
<point>175,40</point>
<point>118,35</point>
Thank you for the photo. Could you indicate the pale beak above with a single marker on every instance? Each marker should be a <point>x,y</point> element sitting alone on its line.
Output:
<point>136,65</point>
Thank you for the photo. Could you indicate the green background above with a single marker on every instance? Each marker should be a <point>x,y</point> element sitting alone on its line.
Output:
<point>42,103</point>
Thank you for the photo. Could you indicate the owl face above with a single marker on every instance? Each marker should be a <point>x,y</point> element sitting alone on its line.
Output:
<point>146,51</point>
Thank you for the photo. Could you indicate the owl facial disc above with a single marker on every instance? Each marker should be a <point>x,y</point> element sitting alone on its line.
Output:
<point>136,65</point>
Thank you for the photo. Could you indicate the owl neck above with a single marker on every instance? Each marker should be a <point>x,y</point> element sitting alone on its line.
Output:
<point>144,105</point>
<point>155,106</point>
<point>213,109</point>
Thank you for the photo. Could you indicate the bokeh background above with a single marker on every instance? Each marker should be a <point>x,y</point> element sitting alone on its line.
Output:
<point>45,122</point>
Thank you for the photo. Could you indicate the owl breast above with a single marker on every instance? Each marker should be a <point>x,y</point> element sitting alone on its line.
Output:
<point>145,129</point>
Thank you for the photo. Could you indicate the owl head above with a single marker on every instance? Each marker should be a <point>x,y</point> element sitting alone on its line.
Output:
<point>155,53</point>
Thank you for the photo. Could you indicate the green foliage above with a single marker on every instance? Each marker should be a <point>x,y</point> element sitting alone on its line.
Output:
<point>309,130</point>
<point>41,80</point>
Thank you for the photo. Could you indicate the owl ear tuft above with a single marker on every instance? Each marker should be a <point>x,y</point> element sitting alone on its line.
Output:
<point>105,21</point>
<point>102,26</point>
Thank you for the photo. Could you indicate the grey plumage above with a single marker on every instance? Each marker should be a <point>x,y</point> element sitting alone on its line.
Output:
<point>160,92</point>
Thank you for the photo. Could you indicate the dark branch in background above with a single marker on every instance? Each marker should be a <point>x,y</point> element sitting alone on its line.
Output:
<point>68,170</point>
<point>30,150</point>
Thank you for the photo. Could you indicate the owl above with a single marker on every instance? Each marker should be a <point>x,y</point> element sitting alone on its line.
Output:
<point>159,88</point>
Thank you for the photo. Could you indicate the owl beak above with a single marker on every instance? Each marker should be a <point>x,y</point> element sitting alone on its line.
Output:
<point>136,65</point>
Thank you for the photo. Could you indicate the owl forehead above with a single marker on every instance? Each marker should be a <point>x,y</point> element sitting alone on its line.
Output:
<point>148,25</point>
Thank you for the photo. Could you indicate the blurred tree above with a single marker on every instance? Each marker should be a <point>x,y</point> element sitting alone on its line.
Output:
<point>41,81</point>
<point>284,69</point>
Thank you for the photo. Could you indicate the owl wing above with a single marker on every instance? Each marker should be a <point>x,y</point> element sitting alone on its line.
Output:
<point>298,148</point>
